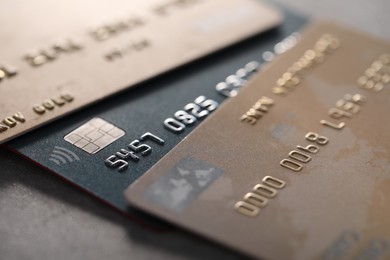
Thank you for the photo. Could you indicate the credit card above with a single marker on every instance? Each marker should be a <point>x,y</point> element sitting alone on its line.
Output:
<point>297,165</point>
<point>57,57</point>
<point>71,147</point>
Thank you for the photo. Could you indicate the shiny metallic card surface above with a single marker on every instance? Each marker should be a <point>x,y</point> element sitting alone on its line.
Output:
<point>77,147</point>
<point>57,57</point>
<point>297,165</point>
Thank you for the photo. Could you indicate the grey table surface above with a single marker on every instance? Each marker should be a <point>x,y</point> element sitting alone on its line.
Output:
<point>42,217</point>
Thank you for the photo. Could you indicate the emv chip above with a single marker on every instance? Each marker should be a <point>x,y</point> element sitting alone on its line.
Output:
<point>94,135</point>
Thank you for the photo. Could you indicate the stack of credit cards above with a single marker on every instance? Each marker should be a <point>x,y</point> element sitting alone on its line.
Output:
<point>295,164</point>
<point>106,147</point>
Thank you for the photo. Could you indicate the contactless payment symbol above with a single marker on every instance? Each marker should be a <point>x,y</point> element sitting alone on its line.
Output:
<point>61,155</point>
<point>94,135</point>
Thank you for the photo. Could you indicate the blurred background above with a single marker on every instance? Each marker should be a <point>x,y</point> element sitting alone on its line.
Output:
<point>368,16</point>
<point>42,217</point>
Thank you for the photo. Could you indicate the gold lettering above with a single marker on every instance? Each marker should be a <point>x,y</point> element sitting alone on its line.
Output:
<point>19,117</point>
<point>338,113</point>
<point>6,72</point>
<point>37,58</point>
<point>39,109</point>
<point>265,191</point>
<point>333,125</point>
<point>260,197</point>
<point>248,119</point>
<point>247,209</point>
<point>3,128</point>
<point>376,76</point>
<point>49,54</point>
<point>274,182</point>
<point>325,45</point>
<point>10,122</point>
<point>67,97</point>
<point>2,74</point>
<point>291,165</point>
<point>255,199</point>
<point>48,104</point>
<point>266,101</point>
<point>9,71</point>
<point>261,106</point>
<point>58,101</point>
<point>299,156</point>
<point>309,148</point>
<point>254,113</point>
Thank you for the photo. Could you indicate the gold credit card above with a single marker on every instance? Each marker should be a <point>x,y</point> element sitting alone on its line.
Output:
<point>56,57</point>
<point>297,166</point>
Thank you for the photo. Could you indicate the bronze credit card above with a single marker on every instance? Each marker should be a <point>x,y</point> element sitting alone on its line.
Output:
<point>297,166</point>
<point>56,57</point>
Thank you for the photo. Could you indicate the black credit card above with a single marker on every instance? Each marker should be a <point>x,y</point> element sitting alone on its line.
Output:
<point>104,148</point>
